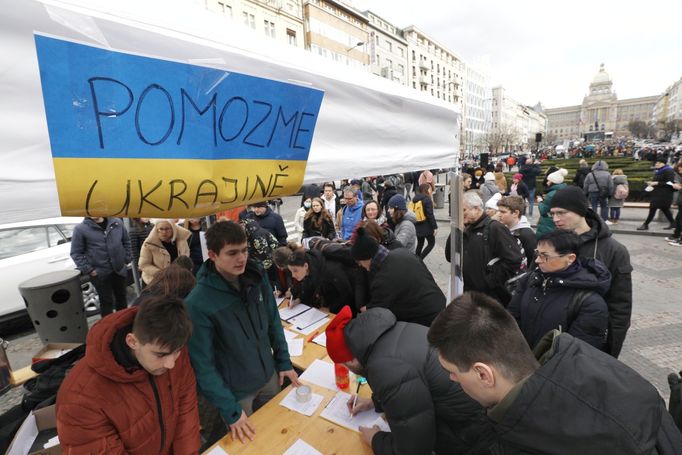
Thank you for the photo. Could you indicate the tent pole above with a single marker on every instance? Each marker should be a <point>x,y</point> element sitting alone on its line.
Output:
<point>456,230</point>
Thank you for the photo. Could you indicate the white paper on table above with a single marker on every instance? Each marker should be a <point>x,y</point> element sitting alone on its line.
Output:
<point>295,347</point>
<point>217,450</point>
<point>51,442</point>
<point>321,339</point>
<point>287,313</point>
<point>311,328</point>
<point>382,424</point>
<point>300,447</point>
<point>289,335</point>
<point>320,373</point>
<point>337,411</point>
<point>305,320</point>
<point>307,409</point>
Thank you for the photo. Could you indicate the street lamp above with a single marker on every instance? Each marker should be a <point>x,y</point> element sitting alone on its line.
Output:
<point>360,43</point>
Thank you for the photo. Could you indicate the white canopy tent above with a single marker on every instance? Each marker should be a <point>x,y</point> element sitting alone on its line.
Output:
<point>366,125</point>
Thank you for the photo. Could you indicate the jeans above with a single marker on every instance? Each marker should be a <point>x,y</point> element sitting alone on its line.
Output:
<point>678,223</point>
<point>431,239</point>
<point>615,213</point>
<point>110,287</point>
<point>601,203</point>
<point>531,200</point>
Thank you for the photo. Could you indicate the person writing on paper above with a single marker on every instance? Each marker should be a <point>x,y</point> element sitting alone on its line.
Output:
<point>238,349</point>
<point>426,412</point>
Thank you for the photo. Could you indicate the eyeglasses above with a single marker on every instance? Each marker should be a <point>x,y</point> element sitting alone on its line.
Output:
<point>558,213</point>
<point>544,257</point>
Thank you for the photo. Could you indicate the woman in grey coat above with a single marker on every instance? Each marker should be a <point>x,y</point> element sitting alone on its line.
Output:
<point>616,203</point>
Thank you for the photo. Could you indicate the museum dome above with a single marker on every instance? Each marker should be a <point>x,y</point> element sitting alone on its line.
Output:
<point>602,77</point>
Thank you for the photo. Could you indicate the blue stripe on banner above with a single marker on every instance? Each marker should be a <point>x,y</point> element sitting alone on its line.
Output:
<point>105,104</point>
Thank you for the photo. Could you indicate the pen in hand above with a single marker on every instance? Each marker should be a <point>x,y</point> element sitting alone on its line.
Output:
<point>355,400</point>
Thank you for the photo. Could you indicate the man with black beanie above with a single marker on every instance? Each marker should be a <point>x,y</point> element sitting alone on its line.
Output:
<point>399,281</point>
<point>569,210</point>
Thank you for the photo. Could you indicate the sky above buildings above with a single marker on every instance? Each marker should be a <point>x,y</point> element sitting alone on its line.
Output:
<point>550,51</point>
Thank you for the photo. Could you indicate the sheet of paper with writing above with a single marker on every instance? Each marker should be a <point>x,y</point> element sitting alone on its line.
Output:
<point>308,408</point>
<point>337,411</point>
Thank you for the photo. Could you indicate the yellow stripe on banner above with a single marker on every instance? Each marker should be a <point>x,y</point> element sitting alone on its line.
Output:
<point>155,188</point>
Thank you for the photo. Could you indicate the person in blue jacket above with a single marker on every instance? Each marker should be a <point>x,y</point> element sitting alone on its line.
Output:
<point>237,348</point>
<point>352,212</point>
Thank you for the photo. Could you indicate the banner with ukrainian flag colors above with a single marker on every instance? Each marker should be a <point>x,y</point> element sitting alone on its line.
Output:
<point>136,136</point>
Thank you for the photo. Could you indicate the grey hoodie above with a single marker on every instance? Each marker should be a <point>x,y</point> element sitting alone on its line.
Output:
<point>600,171</point>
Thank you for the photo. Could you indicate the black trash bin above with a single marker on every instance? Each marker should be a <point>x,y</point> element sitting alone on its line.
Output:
<point>55,304</point>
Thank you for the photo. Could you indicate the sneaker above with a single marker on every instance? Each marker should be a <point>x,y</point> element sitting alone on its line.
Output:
<point>670,226</point>
<point>672,239</point>
<point>644,227</point>
<point>608,223</point>
<point>676,243</point>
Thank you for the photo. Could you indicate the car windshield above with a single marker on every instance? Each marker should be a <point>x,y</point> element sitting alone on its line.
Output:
<point>14,242</point>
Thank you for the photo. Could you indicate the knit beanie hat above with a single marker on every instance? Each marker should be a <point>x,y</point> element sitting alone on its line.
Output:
<point>364,247</point>
<point>557,177</point>
<point>570,198</point>
<point>397,202</point>
<point>518,176</point>
<point>662,159</point>
<point>337,348</point>
<point>489,176</point>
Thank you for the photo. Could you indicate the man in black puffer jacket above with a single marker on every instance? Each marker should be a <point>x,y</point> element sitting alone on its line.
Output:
<point>570,210</point>
<point>425,410</point>
<point>564,398</point>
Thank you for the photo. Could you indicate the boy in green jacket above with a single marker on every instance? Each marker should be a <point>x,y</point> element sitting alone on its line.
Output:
<point>238,349</point>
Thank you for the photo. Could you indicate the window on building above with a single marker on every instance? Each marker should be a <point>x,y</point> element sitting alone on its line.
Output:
<point>401,69</point>
<point>389,63</point>
<point>225,9</point>
<point>389,46</point>
<point>414,56</point>
<point>249,20</point>
<point>291,36</point>
<point>414,85</point>
<point>401,51</point>
<point>269,28</point>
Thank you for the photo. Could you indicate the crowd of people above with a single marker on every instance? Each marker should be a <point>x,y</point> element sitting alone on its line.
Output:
<point>542,320</point>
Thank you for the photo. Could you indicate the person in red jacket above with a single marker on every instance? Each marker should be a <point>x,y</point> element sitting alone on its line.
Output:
<point>134,392</point>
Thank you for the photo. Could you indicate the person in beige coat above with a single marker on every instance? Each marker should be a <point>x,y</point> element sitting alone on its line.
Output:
<point>164,244</point>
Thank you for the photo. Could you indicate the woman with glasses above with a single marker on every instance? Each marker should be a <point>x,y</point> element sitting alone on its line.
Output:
<point>564,292</point>
<point>164,244</point>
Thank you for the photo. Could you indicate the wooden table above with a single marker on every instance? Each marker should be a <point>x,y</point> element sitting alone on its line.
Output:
<point>311,351</point>
<point>277,428</point>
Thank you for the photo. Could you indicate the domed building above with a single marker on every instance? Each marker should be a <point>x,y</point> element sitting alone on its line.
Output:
<point>601,115</point>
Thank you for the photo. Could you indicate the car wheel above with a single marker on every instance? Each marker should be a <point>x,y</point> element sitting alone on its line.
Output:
<point>90,299</point>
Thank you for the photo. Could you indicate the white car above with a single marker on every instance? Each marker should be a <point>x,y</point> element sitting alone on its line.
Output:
<point>29,249</point>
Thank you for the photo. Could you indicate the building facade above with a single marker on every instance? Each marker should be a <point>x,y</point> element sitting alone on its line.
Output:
<point>387,49</point>
<point>433,69</point>
<point>601,115</point>
<point>669,104</point>
<point>514,125</point>
<point>476,104</point>
<point>281,20</point>
<point>337,32</point>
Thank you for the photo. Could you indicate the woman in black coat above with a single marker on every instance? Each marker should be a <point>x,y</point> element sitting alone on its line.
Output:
<point>564,292</point>
<point>426,230</point>
<point>661,195</point>
<point>318,222</point>
<point>327,281</point>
